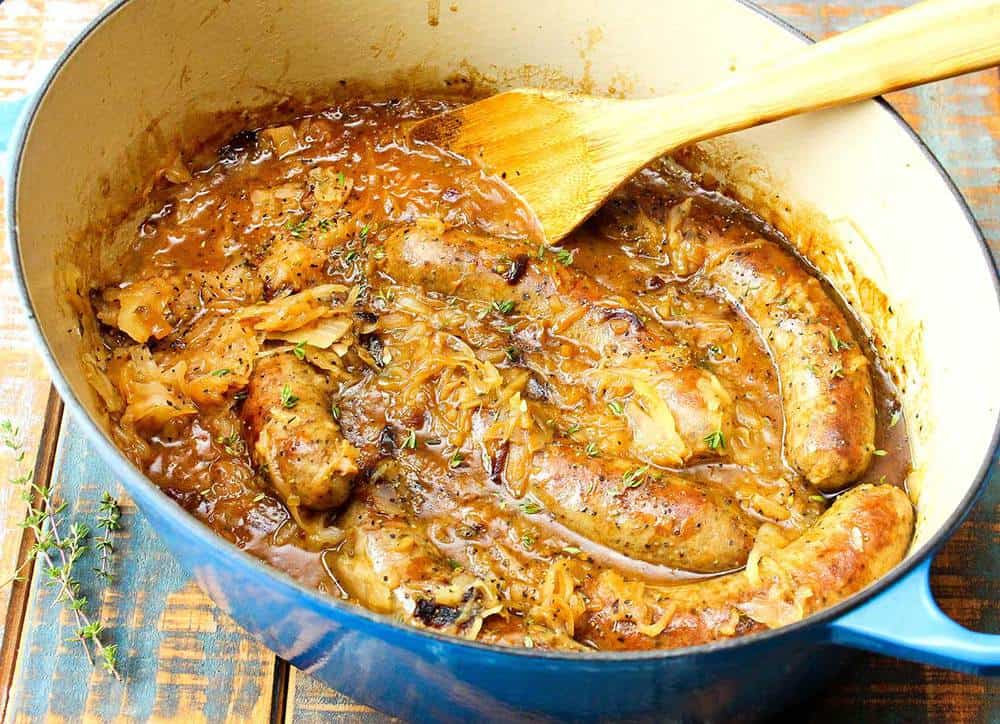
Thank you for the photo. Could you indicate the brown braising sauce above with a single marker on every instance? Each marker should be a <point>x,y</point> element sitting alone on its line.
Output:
<point>354,358</point>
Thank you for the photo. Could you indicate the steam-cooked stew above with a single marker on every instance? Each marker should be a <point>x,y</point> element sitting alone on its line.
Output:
<point>353,357</point>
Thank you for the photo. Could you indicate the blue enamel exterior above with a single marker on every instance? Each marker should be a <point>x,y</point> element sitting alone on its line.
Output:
<point>423,676</point>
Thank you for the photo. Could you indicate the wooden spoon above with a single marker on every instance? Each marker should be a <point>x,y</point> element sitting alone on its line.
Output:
<point>564,154</point>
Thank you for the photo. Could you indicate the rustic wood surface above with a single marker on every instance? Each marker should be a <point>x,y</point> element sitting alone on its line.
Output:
<point>184,661</point>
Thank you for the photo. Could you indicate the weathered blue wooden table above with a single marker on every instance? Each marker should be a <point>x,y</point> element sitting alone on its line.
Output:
<point>182,660</point>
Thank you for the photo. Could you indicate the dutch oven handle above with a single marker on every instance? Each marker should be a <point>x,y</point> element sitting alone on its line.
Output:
<point>905,621</point>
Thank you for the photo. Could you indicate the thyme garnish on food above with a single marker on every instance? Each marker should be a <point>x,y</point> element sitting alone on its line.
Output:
<point>635,478</point>
<point>715,440</point>
<point>563,256</point>
<point>59,551</point>
<point>837,344</point>
<point>288,398</point>
<point>531,507</point>
<point>504,306</point>
<point>296,229</point>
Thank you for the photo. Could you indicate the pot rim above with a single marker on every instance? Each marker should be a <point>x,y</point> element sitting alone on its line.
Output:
<point>138,485</point>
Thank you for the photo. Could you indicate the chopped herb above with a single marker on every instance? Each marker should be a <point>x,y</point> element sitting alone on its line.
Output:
<point>341,180</point>
<point>335,411</point>
<point>715,351</point>
<point>454,565</point>
<point>324,224</point>
<point>879,453</point>
<point>259,497</point>
<point>634,478</point>
<point>616,407</point>
<point>287,398</point>
<point>528,540</point>
<point>502,267</point>
<point>575,427</point>
<point>838,370</point>
<point>531,507</point>
<point>541,251</point>
<point>837,344</point>
<point>572,550</point>
<point>363,234</point>
<point>715,440</point>
<point>513,354</point>
<point>817,498</point>
<point>563,256</point>
<point>221,372</point>
<point>894,419</point>
<point>591,450</point>
<point>508,328</point>
<point>411,440</point>
<point>350,256</point>
<point>504,306</point>
<point>300,349</point>
<point>456,459</point>
<point>379,253</point>
<point>232,443</point>
<point>296,228</point>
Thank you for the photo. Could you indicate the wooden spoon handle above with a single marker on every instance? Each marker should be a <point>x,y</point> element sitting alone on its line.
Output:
<point>931,40</point>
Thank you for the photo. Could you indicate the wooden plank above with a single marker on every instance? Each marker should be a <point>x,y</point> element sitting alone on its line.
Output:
<point>20,587</point>
<point>30,37</point>
<point>181,659</point>
<point>311,702</point>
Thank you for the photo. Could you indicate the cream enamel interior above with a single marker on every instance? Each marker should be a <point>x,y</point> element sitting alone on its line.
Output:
<point>156,63</point>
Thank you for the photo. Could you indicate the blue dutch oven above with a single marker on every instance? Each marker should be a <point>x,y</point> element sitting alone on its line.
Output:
<point>145,68</point>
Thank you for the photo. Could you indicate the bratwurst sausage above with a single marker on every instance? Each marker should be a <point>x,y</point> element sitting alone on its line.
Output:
<point>293,435</point>
<point>855,542</point>
<point>390,566</point>
<point>646,514</point>
<point>826,383</point>
<point>574,307</point>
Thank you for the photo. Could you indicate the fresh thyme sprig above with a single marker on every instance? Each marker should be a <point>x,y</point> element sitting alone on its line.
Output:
<point>58,552</point>
<point>109,520</point>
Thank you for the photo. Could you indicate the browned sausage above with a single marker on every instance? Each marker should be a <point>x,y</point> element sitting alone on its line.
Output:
<point>641,512</point>
<point>826,384</point>
<point>293,435</point>
<point>863,534</point>
<point>390,566</point>
<point>572,306</point>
